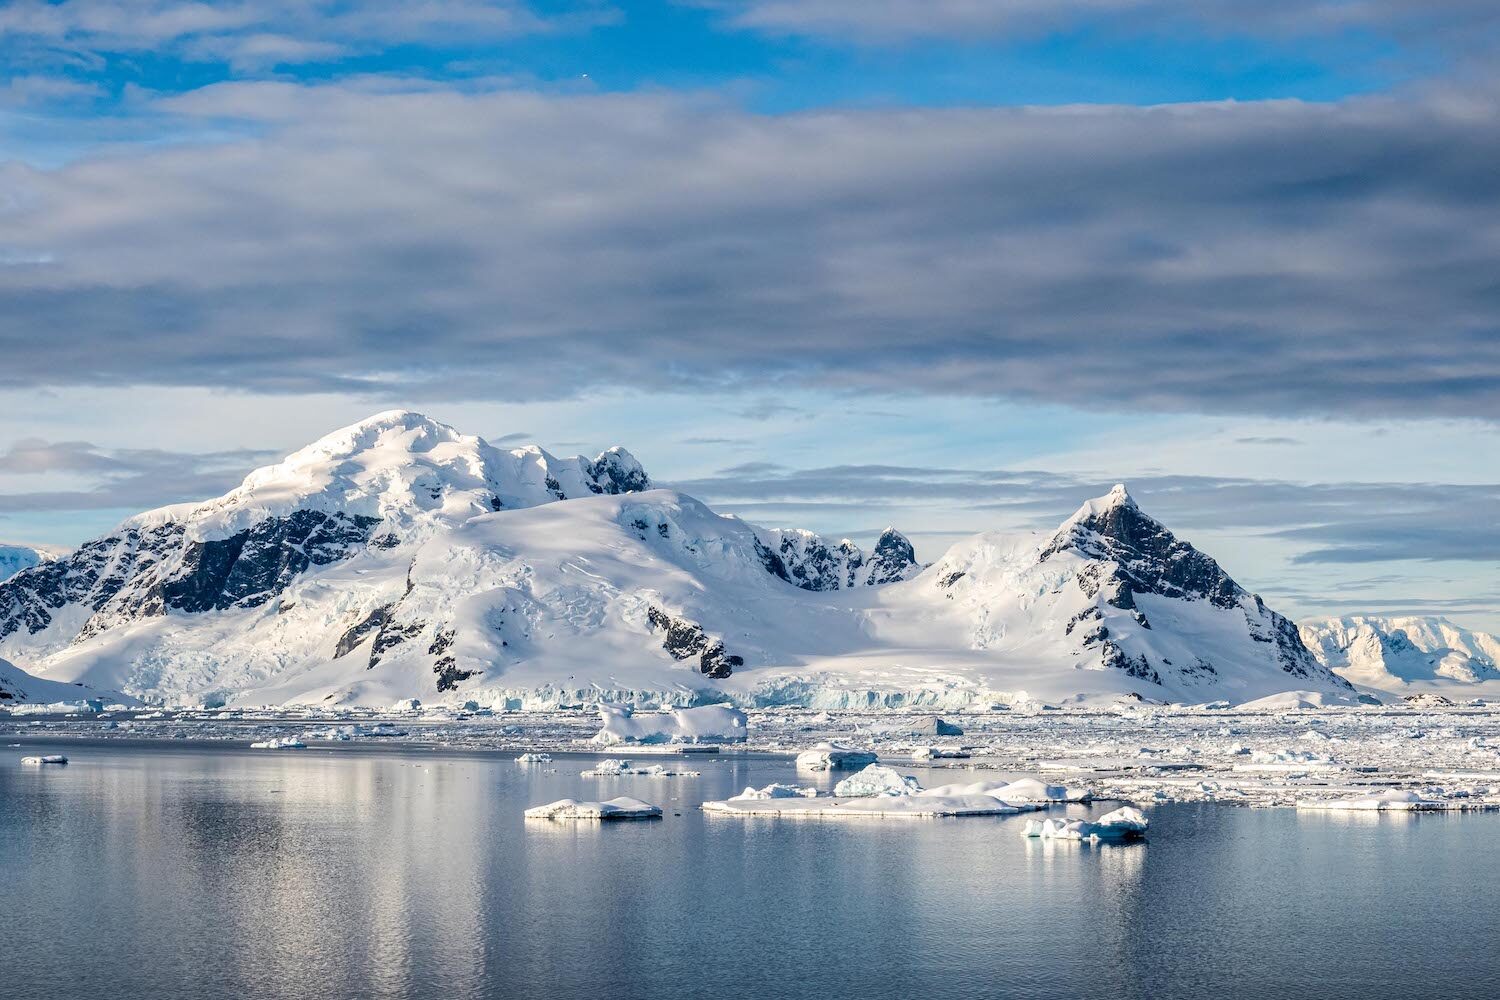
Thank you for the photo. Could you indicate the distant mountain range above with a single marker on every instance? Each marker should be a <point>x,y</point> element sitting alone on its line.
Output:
<point>1393,653</point>
<point>400,558</point>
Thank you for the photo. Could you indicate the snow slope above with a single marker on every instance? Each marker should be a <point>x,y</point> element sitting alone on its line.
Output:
<point>1400,653</point>
<point>398,558</point>
<point>19,687</point>
<point>14,558</point>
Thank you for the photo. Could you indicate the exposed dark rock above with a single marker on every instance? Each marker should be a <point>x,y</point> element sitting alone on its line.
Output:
<point>356,633</point>
<point>892,559</point>
<point>685,639</point>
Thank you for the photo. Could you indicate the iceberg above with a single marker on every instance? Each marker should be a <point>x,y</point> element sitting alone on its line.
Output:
<point>1125,823</point>
<point>832,757</point>
<point>51,758</point>
<point>876,780</point>
<point>283,743</point>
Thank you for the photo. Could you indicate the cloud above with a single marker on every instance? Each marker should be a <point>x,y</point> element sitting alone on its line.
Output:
<point>895,22</point>
<point>130,478</point>
<point>1324,523</point>
<point>1274,257</point>
<point>268,31</point>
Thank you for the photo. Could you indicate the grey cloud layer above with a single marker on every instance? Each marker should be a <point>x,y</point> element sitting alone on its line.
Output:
<point>899,21</point>
<point>1327,522</point>
<point>1274,257</point>
<point>129,478</point>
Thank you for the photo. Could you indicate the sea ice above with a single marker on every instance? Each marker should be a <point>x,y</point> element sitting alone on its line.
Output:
<point>51,758</point>
<point>283,743</point>
<point>622,807</point>
<point>612,768</point>
<point>534,758</point>
<point>1389,800</point>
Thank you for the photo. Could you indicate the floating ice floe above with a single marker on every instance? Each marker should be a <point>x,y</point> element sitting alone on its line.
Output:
<point>1390,800</point>
<point>612,768</point>
<point>1023,790</point>
<point>51,758</point>
<point>832,757</point>
<point>876,805</point>
<point>283,743</point>
<point>881,791</point>
<point>939,753</point>
<point>1125,823</point>
<point>622,807</point>
<point>706,724</point>
<point>534,758</point>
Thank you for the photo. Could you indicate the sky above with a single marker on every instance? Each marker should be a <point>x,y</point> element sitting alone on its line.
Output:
<point>949,265</point>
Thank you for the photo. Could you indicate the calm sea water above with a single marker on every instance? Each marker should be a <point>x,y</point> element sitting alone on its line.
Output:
<point>160,872</point>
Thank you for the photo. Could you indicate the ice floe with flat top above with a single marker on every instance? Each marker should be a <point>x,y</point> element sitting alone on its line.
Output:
<point>832,757</point>
<point>51,758</point>
<point>1125,823</point>
<point>282,743</point>
<point>1389,800</point>
<point>622,807</point>
<point>875,805</point>
<point>705,724</point>
<point>612,768</point>
<point>882,791</point>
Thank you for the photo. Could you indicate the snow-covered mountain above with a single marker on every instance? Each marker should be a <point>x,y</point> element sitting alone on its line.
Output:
<point>398,558</point>
<point>14,558</point>
<point>18,687</point>
<point>1393,653</point>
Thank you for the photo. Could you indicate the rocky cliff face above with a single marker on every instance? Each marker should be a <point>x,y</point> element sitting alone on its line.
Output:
<point>806,560</point>
<point>1126,595</point>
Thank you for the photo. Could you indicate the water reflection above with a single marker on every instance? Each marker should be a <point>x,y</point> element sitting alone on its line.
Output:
<point>216,874</point>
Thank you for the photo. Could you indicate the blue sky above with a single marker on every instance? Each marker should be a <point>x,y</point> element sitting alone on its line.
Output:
<point>948,265</point>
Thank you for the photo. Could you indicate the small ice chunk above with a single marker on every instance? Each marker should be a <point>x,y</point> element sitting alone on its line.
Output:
<point>283,743</point>
<point>51,758</point>
<point>534,758</point>
<point>622,807</point>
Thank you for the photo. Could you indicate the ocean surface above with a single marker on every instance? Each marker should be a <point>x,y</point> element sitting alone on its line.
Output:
<point>168,871</point>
